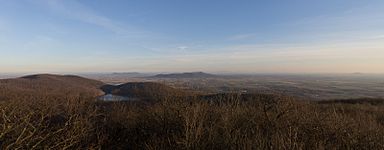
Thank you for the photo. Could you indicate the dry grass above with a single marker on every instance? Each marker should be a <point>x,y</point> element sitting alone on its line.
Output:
<point>231,121</point>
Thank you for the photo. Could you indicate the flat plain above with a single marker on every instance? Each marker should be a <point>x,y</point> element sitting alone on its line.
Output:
<point>307,86</point>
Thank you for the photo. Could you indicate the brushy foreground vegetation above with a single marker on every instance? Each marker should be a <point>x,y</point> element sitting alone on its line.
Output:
<point>61,112</point>
<point>230,121</point>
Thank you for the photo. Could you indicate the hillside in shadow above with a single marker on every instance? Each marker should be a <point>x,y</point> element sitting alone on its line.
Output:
<point>49,85</point>
<point>143,90</point>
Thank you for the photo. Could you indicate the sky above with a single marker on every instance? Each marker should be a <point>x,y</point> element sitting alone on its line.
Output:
<point>230,36</point>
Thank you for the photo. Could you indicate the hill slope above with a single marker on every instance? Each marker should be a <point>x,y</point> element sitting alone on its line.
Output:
<point>143,90</point>
<point>47,84</point>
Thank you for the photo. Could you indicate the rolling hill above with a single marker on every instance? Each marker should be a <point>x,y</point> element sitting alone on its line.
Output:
<point>48,84</point>
<point>54,86</point>
<point>143,90</point>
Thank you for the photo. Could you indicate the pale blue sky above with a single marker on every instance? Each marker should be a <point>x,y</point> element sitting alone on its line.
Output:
<point>243,36</point>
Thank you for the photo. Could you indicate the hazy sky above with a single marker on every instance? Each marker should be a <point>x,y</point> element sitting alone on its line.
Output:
<point>294,36</point>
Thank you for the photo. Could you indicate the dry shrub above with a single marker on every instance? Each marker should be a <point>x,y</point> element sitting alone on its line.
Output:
<point>229,121</point>
<point>48,123</point>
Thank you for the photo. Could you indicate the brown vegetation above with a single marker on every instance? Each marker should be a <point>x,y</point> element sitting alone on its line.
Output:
<point>48,85</point>
<point>223,121</point>
<point>143,90</point>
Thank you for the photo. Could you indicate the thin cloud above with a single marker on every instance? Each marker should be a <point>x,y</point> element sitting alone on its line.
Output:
<point>378,37</point>
<point>38,43</point>
<point>242,37</point>
<point>73,9</point>
<point>182,48</point>
<point>304,57</point>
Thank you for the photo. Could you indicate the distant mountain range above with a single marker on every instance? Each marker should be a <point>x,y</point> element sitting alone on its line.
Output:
<point>186,75</point>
